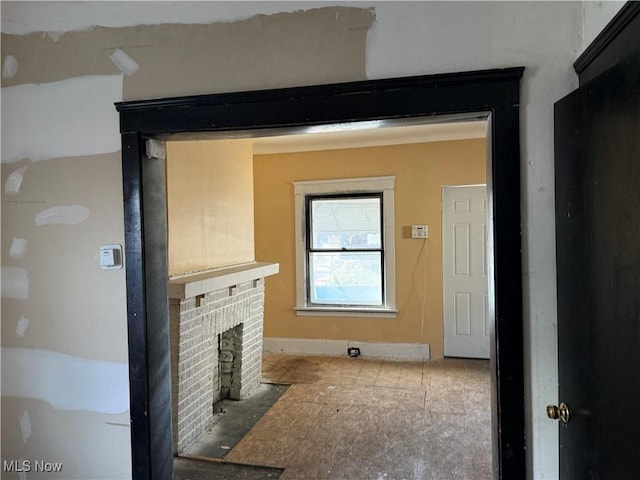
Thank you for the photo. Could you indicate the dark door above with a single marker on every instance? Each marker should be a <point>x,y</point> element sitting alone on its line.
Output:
<point>597,168</point>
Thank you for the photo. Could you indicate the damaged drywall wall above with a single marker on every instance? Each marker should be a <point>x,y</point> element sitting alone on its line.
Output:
<point>41,121</point>
<point>62,198</point>
<point>322,45</point>
<point>52,231</point>
<point>61,381</point>
<point>32,429</point>
<point>408,38</point>
<point>66,382</point>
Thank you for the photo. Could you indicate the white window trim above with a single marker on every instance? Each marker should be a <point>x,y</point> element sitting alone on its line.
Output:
<point>386,185</point>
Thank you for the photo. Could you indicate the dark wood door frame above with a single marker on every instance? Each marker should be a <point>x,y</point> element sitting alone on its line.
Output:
<point>617,40</point>
<point>492,93</point>
<point>596,149</point>
<point>597,154</point>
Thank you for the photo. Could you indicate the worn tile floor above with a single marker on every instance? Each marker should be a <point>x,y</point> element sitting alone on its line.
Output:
<point>355,418</point>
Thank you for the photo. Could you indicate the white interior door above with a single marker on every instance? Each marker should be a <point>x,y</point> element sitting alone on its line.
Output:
<point>464,271</point>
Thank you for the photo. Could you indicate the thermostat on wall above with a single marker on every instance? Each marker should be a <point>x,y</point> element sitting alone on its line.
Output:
<point>110,257</point>
<point>419,231</point>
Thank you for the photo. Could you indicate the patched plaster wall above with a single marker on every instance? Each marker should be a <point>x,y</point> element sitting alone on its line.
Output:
<point>181,48</point>
<point>175,59</point>
<point>62,193</point>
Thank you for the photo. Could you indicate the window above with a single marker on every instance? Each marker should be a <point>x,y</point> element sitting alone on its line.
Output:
<point>344,250</point>
<point>345,259</point>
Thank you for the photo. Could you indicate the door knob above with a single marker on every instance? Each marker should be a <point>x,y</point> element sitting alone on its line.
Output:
<point>559,412</point>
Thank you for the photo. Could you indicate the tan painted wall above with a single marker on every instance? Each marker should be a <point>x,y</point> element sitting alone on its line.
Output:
<point>209,204</point>
<point>421,170</point>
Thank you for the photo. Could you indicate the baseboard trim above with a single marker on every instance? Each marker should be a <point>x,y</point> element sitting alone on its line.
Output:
<point>308,346</point>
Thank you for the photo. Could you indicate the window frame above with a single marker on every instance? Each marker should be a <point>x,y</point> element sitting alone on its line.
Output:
<point>305,192</point>
<point>309,199</point>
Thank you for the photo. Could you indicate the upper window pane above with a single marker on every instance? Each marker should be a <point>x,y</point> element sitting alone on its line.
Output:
<point>346,223</point>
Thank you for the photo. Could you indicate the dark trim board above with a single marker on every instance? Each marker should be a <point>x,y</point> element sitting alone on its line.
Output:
<point>490,93</point>
<point>619,38</point>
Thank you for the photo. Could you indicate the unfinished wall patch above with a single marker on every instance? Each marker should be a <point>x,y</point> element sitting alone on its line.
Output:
<point>66,292</point>
<point>22,326</point>
<point>25,426</point>
<point>50,120</point>
<point>26,17</point>
<point>62,215</point>
<point>15,283</point>
<point>124,62</point>
<point>255,53</point>
<point>18,248</point>
<point>67,382</point>
<point>9,66</point>
<point>55,36</point>
<point>14,181</point>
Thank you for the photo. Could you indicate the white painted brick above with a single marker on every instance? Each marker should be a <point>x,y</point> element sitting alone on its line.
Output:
<point>198,367</point>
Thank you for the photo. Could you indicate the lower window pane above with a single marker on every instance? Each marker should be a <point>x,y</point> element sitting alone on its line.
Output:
<point>345,278</point>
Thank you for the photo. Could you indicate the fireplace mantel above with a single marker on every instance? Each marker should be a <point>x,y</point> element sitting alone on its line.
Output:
<point>199,283</point>
<point>216,320</point>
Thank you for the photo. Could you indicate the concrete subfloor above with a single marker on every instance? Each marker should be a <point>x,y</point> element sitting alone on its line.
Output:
<point>358,418</point>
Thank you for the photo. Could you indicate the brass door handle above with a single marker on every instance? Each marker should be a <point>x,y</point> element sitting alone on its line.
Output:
<point>560,412</point>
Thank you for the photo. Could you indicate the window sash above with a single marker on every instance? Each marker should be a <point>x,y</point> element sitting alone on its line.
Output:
<point>312,296</point>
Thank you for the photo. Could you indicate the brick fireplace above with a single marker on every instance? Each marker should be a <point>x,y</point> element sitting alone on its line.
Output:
<point>216,320</point>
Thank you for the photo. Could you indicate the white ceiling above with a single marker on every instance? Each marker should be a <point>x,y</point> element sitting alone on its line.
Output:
<point>368,134</point>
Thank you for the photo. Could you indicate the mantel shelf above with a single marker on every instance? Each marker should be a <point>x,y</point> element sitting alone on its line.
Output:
<point>199,283</point>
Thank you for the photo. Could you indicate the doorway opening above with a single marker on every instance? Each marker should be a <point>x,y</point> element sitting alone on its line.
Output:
<point>421,157</point>
<point>493,93</point>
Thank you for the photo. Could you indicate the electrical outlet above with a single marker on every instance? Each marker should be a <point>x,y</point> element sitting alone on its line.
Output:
<point>353,352</point>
